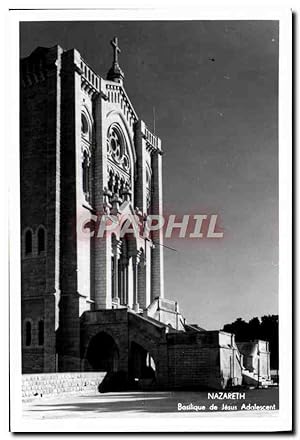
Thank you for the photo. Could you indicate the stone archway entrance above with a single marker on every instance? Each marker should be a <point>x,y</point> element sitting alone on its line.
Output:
<point>102,353</point>
<point>141,364</point>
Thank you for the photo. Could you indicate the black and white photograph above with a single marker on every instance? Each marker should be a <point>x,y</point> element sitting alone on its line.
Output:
<point>154,161</point>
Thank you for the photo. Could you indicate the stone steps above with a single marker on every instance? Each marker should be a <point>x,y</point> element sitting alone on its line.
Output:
<point>251,379</point>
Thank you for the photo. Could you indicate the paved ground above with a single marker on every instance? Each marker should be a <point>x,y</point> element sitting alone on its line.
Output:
<point>95,405</point>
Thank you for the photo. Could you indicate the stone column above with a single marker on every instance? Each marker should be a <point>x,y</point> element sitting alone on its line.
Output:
<point>135,263</point>
<point>140,145</point>
<point>157,269</point>
<point>142,300</point>
<point>101,256</point>
<point>126,282</point>
<point>123,264</point>
<point>116,257</point>
<point>148,251</point>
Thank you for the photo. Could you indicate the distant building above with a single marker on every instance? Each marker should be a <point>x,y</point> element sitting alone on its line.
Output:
<point>97,303</point>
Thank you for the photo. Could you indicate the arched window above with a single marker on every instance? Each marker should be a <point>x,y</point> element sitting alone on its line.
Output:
<point>28,242</point>
<point>117,149</point>
<point>41,240</point>
<point>120,164</point>
<point>148,189</point>
<point>28,335</point>
<point>84,126</point>
<point>41,332</point>
<point>86,149</point>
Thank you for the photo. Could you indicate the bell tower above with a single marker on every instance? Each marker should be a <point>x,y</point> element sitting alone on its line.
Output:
<point>128,268</point>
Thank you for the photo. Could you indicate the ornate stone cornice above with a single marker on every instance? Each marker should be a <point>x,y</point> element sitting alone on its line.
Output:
<point>153,143</point>
<point>90,81</point>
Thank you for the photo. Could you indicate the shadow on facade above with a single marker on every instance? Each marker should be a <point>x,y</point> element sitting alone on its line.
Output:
<point>141,373</point>
<point>127,369</point>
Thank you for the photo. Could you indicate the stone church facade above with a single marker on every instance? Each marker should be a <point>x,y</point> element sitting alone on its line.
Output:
<point>98,304</point>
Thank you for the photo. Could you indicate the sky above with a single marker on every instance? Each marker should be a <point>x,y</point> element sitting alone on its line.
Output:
<point>214,86</point>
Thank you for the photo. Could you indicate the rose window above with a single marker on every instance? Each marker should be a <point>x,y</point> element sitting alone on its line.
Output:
<point>116,149</point>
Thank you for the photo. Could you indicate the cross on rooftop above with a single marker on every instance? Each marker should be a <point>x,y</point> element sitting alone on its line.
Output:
<point>115,72</point>
<point>116,48</point>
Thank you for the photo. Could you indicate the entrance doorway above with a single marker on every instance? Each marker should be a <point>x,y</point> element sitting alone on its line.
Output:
<point>103,353</point>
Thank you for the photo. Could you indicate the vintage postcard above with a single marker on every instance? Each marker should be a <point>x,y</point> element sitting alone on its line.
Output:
<point>151,191</point>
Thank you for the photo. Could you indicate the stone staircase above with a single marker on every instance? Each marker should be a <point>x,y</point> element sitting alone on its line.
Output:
<point>251,379</point>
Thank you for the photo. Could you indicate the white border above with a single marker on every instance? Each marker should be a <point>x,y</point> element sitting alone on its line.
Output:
<point>279,421</point>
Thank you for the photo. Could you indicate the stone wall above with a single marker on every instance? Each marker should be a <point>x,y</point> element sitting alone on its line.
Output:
<point>39,171</point>
<point>200,360</point>
<point>40,385</point>
<point>192,361</point>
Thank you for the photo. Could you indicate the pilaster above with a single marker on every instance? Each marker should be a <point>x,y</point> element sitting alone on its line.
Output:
<point>157,263</point>
<point>69,328</point>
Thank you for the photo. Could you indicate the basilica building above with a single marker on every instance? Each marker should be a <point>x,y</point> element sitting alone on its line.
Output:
<point>96,302</point>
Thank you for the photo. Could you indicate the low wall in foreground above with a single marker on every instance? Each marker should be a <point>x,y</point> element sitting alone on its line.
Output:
<point>39,385</point>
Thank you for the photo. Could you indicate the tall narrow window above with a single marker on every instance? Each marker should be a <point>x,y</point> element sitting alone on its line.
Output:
<point>41,240</point>
<point>148,190</point>
<point>28,335</point>
<point>41,332</point>
<point>86,175</point>
<point>86,148</point>
<point>28,242</point>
